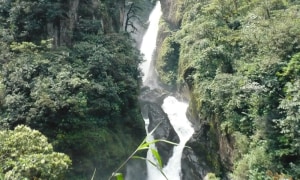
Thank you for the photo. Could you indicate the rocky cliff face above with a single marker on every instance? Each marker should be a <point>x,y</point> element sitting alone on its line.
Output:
<point>86,16</point>
<point>170,12</point>
<point>60,28</point>
<point>211,151</point>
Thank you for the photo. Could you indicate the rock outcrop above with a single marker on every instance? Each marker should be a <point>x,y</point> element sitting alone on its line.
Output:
<point>151,101</point>
<point>158,118</point>
<point>78,15</point>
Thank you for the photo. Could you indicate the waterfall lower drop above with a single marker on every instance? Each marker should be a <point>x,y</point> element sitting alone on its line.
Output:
<point>176,112</point>
<point>175,109</point>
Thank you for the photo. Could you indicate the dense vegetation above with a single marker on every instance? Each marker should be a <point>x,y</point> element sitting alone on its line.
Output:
<point>25,153</point>
<point>70,71</point>
<point>241,60</point>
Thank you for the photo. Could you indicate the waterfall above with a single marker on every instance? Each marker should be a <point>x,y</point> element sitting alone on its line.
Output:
<point>175,109</point>
<point>149,45</point>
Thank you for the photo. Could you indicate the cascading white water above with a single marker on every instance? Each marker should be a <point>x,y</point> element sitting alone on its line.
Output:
<point>149,42</point>
<point>176,112</point>
<point>175,109</point>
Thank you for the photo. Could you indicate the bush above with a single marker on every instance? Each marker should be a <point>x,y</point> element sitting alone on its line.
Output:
<point>25,153</point>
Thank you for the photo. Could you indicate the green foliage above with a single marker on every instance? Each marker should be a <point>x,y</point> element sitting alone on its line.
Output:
<point>292,70</point>
<point>25,18</point>
<point>79,98</point>
<point>255,160</point>
<point>83,97</point>
<point>25,153</point>
<point>211,176</point>
<point>241,62</point>
<point>167,61</point>
<point>119,176</point>
<point>290,104</point>
<point>28,47</point>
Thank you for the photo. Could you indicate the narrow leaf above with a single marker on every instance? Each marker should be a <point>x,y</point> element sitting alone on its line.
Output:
<point>155,127</point>
<point>153,164</point>
<point>138,157</point>
<point>166,141</point>
<point>143,146</point>
<point>92,176</point>
<point>119,176</point>
<point>162,140</point>
<point>157,157</point>
<point>160,170</point>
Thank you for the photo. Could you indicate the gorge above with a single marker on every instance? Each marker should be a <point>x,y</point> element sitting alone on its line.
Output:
<point>70,76</point>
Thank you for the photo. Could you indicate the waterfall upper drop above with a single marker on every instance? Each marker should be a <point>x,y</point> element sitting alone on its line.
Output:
<point>148,45</point>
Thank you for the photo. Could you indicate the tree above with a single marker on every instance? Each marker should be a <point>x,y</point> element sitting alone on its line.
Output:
<point>131,16</point>
<point>289,137</point>
<point>26,153</point>
<point>82,98</point>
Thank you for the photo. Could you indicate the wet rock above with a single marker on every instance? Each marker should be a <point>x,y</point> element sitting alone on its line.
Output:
<point>192,166</point>
<point>151,101</point>
<point>155,96</point>
<point>211,151</point>
<point>164,130</point>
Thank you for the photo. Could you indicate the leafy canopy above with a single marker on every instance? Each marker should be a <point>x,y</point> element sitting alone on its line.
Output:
<point>26,153</point>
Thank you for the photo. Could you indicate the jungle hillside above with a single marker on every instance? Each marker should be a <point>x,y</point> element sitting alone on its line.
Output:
<point>241,62</point>
<point>70,82</point>
<point>69,70</point>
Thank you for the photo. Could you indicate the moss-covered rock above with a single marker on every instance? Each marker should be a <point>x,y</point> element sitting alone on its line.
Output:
<point>167,61</point>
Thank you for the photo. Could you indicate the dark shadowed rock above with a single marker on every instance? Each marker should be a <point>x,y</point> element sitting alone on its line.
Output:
<point>195,166</point>
<point>209,152</point>
<point>151,101</point>
<point>164,131</point>
<point>192,166</point>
